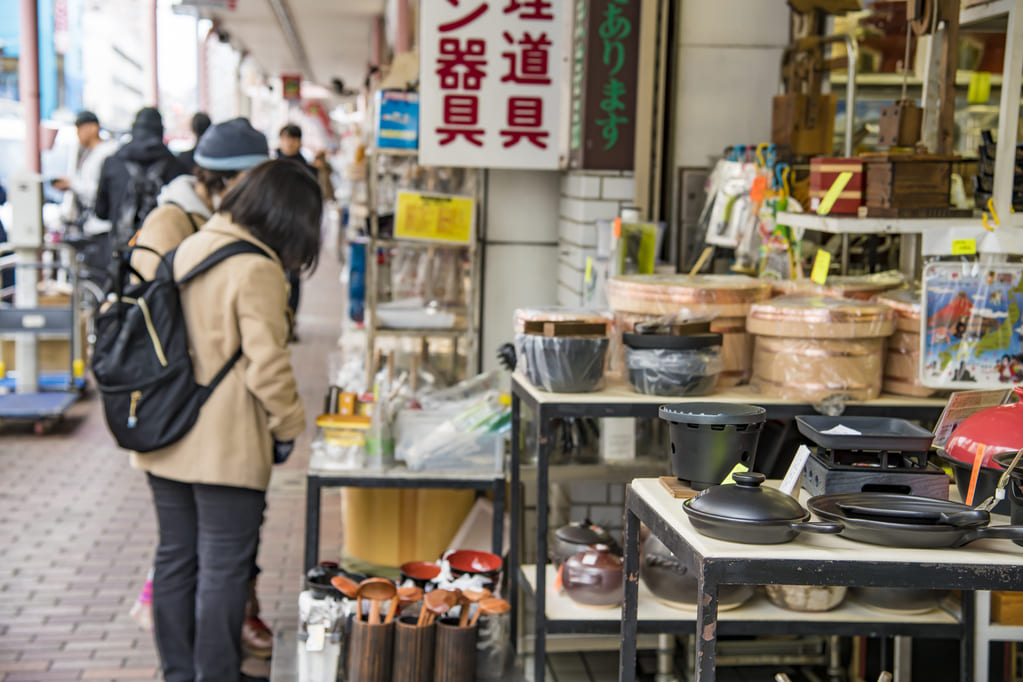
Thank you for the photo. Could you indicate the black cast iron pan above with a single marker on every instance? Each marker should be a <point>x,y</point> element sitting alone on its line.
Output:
<point>907,521</point>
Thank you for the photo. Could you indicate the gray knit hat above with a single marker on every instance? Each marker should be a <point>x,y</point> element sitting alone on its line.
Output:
<point>231,146</point>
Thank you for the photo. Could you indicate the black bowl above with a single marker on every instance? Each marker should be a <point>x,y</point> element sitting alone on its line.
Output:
<point>563,364</point>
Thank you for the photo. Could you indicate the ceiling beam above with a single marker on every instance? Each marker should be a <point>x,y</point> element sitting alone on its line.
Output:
<point>282,10</point>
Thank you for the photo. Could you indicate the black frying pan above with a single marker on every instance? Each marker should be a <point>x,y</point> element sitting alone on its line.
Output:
<point>907,521</point>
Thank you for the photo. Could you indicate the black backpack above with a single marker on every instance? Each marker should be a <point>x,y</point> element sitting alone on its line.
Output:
<point>141,359</point>
<point>139,198</point>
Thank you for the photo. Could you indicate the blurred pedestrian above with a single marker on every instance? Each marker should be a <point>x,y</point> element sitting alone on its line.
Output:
<point>132,178</point>
<point>200,122</point>
<point>209,488</point>
<point>289,146</point>
<point>82,181</point>
<point>323,172</point>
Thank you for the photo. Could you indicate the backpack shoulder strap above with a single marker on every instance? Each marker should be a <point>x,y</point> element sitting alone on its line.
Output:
<point>223,253</point>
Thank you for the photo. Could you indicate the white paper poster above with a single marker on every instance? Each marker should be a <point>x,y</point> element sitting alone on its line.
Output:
<point>490,78</point>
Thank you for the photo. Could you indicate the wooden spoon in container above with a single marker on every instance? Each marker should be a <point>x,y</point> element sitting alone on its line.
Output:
<point>472,597</point>
<point>406,596</point>
<point>345,586</point>
<point>490,607</point>
<point>376,590</point>
<point>439,602</point>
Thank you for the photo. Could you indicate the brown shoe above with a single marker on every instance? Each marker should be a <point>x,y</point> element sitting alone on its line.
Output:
<point>257,638</point>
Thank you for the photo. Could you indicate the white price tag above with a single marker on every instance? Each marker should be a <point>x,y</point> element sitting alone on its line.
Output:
<point>317,637</point>
<point>795,472</point>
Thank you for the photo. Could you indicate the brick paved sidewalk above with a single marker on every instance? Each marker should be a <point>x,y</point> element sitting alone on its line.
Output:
<point>77,531</point>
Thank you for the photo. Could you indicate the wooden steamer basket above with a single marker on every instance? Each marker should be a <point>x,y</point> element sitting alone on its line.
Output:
<point>902,369</point>
<point>725,298</point>
<point>808,348</point>
<point>860,287</point>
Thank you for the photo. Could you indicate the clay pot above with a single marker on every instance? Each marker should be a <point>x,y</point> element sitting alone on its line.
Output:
<point>593,578</point>
<point>675,586</point>
<point>811,598</point>
<point>573,538</point>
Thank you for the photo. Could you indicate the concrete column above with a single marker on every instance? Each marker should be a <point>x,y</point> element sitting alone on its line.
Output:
<point>153,86</point>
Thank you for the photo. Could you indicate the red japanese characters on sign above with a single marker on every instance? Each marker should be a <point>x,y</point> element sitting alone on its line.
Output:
<point>491,76</point>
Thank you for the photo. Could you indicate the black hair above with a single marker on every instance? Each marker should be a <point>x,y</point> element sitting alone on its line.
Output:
<point>291,130</point>
<point>213,180</point>
<point>200,122</point>
<point>279,202</point>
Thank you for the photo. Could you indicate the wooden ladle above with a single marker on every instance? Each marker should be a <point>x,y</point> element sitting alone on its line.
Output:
<point>406,596</point>
<point>345,586</point>
<point>472,597</point>
<point>376,590</point>
<point>490,607</point>
<point>437,603</point>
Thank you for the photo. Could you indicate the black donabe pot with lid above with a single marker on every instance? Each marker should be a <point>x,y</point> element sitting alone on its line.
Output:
<point>750,513</point>
<point>672,365</point>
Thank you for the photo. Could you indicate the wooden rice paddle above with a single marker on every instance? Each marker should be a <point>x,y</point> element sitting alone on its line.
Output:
<point>472,597</point>
<point>406,596</point>
<point>345,586</point>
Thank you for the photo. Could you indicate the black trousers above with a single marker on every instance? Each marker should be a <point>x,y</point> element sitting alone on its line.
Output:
<point>208,540</point>
<point>295,284</point>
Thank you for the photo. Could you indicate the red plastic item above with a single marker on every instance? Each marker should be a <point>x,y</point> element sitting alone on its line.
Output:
<point>999,429</point>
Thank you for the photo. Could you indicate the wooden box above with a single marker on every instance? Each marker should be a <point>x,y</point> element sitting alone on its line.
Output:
<point>900,124</point>
<point>804,123</point>
<point>1007,608</point>
<point>908,185</point>
<point>823,173</point>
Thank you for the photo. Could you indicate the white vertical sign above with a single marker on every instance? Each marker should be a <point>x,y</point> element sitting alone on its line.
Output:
<point>490,79</point>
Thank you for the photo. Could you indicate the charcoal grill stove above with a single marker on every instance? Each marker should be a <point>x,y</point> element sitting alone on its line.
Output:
<point>888,455</point>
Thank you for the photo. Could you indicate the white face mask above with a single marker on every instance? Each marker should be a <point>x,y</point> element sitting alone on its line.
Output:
<point>216,200</point>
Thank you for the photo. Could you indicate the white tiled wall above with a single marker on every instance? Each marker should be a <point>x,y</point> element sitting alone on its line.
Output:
<point>586,197</point>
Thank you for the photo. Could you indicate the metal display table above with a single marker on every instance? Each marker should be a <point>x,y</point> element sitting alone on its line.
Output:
<point>399,477</point>
<point>807,560</point>
<point>619,400</point>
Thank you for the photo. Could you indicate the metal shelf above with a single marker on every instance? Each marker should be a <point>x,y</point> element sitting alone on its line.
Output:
<point>758,615</point>
<point>419,331</point>
<point>894,80</point>
<point>421,243</point>
<point>854,225</point>
<point>384,151</point>
<point>608,472</point>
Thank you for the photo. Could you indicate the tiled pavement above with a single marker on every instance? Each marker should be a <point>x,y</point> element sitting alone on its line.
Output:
<point>77,530</point>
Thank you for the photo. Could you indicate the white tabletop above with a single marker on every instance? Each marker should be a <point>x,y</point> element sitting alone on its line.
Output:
<point>621,392</point>
<point>814,547</point>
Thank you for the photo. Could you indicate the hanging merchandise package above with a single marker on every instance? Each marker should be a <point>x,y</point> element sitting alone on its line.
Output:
<point>636,248</point>
<point>732,204</point>
<point>971,324</point>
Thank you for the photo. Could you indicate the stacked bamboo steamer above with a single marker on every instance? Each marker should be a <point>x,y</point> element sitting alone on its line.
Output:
<point>902,368</point>
<point>725,298</point>
<point>808,348</point>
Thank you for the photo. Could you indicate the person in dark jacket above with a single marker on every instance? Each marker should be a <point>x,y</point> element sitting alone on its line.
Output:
<point>290,149</point>
<point>145,150</point>
<point>200,122</point>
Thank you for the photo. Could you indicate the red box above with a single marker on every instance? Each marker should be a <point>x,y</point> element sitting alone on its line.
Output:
<point>823,173</point>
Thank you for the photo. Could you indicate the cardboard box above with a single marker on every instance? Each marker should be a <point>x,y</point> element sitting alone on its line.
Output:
<point>1007,608</point>
<point>54,353</point>
<point>823,173</point>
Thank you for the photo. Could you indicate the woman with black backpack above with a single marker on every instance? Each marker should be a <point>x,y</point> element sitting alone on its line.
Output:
<point>209,487</point>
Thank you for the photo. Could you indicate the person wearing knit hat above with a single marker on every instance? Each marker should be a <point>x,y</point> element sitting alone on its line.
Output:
<point>200,123</point>
<point>224,152</point>
<point>222,156</point>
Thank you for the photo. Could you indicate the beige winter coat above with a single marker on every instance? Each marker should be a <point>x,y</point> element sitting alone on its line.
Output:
<point>239,303</point>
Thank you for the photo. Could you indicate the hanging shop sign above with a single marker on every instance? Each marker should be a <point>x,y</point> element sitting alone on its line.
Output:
<point>434,217</point>
<point>291,86</point>
<point>605,73</point>
<point>491,79</point>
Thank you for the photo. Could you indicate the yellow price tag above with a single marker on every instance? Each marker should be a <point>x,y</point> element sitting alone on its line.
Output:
<point>964,247</point>
<point>836,190</point>
<point>589,271</point>
<point>739,468</point>
<point>979,90</point>
<point>820,267</point>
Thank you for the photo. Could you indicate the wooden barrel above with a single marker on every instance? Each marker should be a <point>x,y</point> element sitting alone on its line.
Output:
<point>860,287</point>
<point>455,654</point>
<point>413,651</point>
<point>370,650</point>
<point>726,299</point>
<point>810,348</point>
<point>902,370</point>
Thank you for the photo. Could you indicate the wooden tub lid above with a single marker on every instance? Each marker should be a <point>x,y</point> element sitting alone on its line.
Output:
<point>820,317</point>
<point>862,287</point>
<point>726,295</point>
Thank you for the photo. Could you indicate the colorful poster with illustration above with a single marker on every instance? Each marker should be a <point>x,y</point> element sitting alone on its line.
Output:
<point>972,314</point>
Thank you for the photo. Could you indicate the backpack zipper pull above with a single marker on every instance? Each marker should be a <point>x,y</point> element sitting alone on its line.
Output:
<point>136,396</point>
